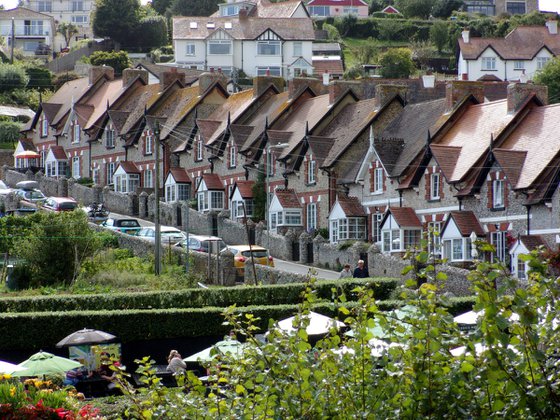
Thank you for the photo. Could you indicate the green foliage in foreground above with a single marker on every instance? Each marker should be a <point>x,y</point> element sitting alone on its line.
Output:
<point>516,376</point>
<point>550,76</point>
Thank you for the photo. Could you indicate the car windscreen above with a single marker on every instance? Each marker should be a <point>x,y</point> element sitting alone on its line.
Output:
<point>67,206</point>
<point>171,234</point>
<point>35,195</point>
<point>256,254</point>
<point>128,223</point>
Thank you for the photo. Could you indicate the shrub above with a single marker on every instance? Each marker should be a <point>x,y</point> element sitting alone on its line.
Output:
<point>39,77</point>
<point>12,77</point>
<point>9,131</point>
<point>397,63</point>
<point>118,60</point>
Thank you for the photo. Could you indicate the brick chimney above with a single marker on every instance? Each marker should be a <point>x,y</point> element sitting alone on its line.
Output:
<point>131,74</point>
<point>170,76</point>
<point>552,26</point>
<point>95,72</point>
<point>207,79</point>
<point>261,83</point>
<point>298,83</point>
<point>457,90</point>
<point>384,93</point>
<point>338,87</point>
<point>517,94</point>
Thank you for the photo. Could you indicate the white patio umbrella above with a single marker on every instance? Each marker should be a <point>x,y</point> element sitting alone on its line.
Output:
<point>229,346</point>
<point>10,368</point>
<point>86,336</point>
<point>471,317</point>
<point>479,348</point>
<point>318,324</point>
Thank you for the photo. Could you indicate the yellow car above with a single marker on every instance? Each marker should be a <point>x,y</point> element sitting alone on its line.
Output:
<point>242,253</point>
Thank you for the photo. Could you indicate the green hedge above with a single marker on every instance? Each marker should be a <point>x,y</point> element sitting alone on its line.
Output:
<point>195,298</point>
<point>21,331</point>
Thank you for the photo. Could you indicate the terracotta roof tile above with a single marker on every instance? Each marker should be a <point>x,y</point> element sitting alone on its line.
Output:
<point>327,65</point>
<point>50,110</point>
<point>59,153</point>
<point>533,242</point>
<point>208,127</point>
<point>406,217</point>
<point>129,167</point>
<point>447,157</point>
<point>523,43</point>
<point>511,162</point>
<point>212,181</point>
<point>245,188</point>
<point>180,175</point>
<point>467,222</point>
<point>320,147</point>
<point>351,206</point>
<point>288,199</point>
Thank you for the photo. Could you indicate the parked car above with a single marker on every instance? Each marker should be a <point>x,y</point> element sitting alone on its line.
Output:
<point>202,243</point>
<point>35,197</point>
<point>130,226</point>
<point>169,234</point>
<point>59,204</point>
<point>242,253</point>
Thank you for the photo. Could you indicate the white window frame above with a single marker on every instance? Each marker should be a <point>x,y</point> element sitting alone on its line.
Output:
<point>76,133</point>
<point>149,145</point>
<point>78,6</point>
<point>44,6</point>
<point>499,241</point>
<point>80,19</point>
<point>219,42</point>
<point>435,180</point>
<point>95,176</point>
<point>199,149</point>
<point>378,180</point>
<point>110,168</point>
<point>498,193</point>
<point>521,269</point>
<point>274,46</point>
<point>376,219</point>
<point>311,167</point>
<point>298,48</point>
<point>109,137</point>
<point>216,200</point>
<point>230,10</point>
<point>320,11</point>
<point>76,167</point>
<point>488,63</point>
<point>541,62</point>
<point>190,49</point>
<point>311,216</point>
<point>518,3</point>
<point>44,127</point>
<point>232,156</point>
<point>434,238</point>
<point>149,178</point>
<point>519,65</point>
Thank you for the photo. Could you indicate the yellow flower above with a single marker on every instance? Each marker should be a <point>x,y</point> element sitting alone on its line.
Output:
<point>12,391</point>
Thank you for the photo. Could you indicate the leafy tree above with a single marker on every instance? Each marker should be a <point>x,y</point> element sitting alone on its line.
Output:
<point>55,245</point>
<point>161,6</point>
<point>414,8</point>
<point>444,8</point>
<point>152,32</point>
<point>117,59</point>
<point>389,29</point>
<point>332,32</point>
<point>550,76</point>
<point>439,34</point>
<point>194,8</point>
<point>39,77</point>
<point>376,6</point>
<point>9,131</point>
<point>67,30</point>
<point>347,24</point>
<point>397,63</point>
<point>116,19</point>
<point>12,77</point>
<point>366,52</point>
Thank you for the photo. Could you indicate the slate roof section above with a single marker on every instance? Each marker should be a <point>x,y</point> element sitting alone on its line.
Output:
<point>283,9</point>
<point>409,132</point>
<point>208,127</point>
<point>191,75</point>
<point>213,182</point>
<point>118,118</point>
<point>59,153</point>
<point>50,110</point>
<point>523,43</point>
<point>466,222</point>
<point>351,206</point>
<point>326,48</point>
<point>129,167</point>
<point>288,199</point>
<point>241,133</point>
<point>320,147</point>
<point>23,13</point>
<point>70,92</point>
<point>27,145</point>
<point>337,3</point>
<point>248,29</point>
<point>245,188</point>
<point>146,96</point>
<point>180,175</point>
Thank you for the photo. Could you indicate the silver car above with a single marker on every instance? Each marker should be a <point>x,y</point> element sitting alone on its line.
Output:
<point>169,234</point>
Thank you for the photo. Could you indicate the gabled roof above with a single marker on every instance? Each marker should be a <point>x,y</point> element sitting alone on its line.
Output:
<point>282,9</point>
<point>157,70</point>
<point>408,131</point>
<point>50,110</point>
<point>351,206</point>
<point>405,216</point>
<point>58,153</point>
<point>129,167</point>
<point>180,175</point>
<point>320,147</point>
<point>523,43</point>
<point>27,145</point>
<point>466,222</point>
<point>331,65</point>
<point>532,242</point>
<point>288,199</point>
<point>245,189</point>
<point>137,105</point>
<point>118,118</point>
<point>23,13</point>
<point>336,3</point>
<point>61,101</point>
<point>250,28</point>
<point>208,127</point>
<point>240,133</point>
<point>212,182</point>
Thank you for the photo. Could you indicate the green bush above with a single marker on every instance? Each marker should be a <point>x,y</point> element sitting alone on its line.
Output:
<point>12,77</point>
<point>9,131</point>
<point>39,77</point>
<point>118,60</point>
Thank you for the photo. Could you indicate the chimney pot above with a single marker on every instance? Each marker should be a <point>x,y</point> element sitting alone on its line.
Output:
<point>552,26</point>
<point>466,34</point>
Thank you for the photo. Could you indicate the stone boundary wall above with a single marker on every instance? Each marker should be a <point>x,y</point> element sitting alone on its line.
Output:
<point>232,232</point>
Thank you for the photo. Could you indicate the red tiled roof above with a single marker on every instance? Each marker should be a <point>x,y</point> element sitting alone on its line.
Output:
<point>321,65</point>
<point>129,167</point>
<point>532,242</point>
<point>213,182</point>
<point>288,199</point>
<point>467,223</point>
<point>353,3</point>
<point>406,217</point>
<point>180,175</point>
<point>59,153</point>
<point>245,188</point>
<point>351,206</point>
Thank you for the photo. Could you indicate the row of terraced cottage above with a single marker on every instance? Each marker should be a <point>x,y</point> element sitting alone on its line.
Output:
<point>371,161</point>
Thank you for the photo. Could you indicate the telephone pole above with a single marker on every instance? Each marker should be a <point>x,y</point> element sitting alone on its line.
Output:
<point>157,267</point>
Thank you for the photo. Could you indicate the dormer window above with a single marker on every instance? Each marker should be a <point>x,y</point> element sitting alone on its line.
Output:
<point>230,10</point>
<point>44,127</point>
<point>76,133</point>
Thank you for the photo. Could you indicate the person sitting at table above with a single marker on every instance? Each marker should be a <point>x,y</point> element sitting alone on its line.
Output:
<point>105,372</point>
<point>176,365</point>
<point>73,376</point>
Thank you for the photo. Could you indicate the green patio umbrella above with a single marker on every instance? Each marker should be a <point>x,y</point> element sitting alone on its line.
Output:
<point>232,347</point>
<point>44,363</point>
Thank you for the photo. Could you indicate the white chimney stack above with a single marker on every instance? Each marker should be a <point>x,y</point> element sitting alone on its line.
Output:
<point>552,26</point>
<point>326,78</point>
<point>466,34</point>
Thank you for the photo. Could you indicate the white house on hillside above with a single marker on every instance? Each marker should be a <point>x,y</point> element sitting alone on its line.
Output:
<point>279,46</point>
<point>518,56</point>
<point>31,31</point>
